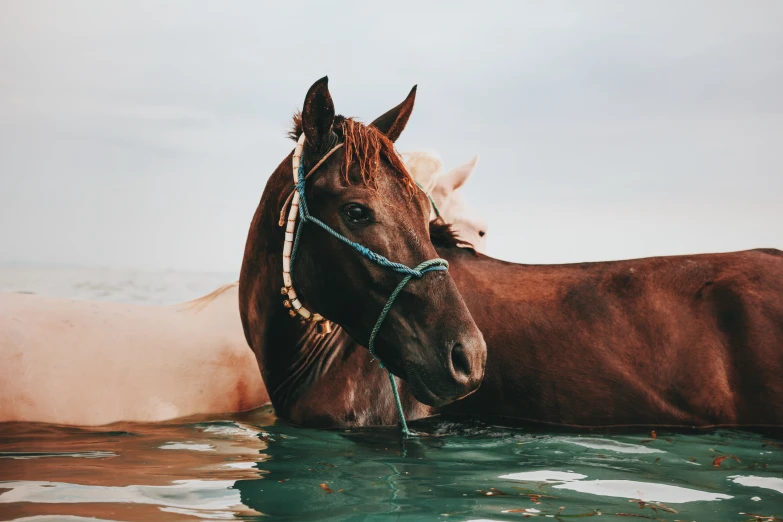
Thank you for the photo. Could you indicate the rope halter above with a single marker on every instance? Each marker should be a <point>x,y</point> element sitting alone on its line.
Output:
<point>298,208</point>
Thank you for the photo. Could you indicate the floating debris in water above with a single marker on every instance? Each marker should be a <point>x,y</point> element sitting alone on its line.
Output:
<point>719,460</point>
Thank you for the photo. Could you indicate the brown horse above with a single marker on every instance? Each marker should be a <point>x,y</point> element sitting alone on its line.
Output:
<point>360,188</point>
<point>682,341</point>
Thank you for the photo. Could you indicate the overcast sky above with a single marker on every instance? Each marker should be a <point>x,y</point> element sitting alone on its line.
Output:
<point>140,134</point>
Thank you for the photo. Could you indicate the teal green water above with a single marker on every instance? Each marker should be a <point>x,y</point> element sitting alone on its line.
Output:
<point>253,467</point>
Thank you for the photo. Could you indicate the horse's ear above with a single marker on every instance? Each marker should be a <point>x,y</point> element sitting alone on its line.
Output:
<point>457,177</point>
<point>318,113</point>
<point>393,122</point>
<point>424,167</point>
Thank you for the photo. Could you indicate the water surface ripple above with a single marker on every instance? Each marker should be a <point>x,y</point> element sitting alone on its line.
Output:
<point>253,467</point>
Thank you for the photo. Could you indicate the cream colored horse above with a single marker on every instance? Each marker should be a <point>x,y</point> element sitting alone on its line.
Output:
<point>427,168</point>
<point>92,363</point>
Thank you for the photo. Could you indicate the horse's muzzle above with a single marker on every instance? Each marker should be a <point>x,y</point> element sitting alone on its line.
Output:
<point>459,374</point>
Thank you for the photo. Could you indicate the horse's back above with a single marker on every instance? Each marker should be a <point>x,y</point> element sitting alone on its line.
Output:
<point>681,340</point>
<point>89,363</point>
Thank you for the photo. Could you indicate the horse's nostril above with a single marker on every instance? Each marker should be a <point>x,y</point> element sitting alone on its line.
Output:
<point>460,362</point>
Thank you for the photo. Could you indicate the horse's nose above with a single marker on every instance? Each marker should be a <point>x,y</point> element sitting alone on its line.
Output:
<point>467,366</point>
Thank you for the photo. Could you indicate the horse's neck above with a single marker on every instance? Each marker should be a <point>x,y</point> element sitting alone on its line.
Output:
<point>328,380</point>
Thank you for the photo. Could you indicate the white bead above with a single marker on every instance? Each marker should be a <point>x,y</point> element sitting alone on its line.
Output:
<point>286,265</point>
<point>287,280</point>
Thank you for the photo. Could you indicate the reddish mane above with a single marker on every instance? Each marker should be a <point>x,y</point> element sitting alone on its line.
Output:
<point>442,234</point>
<point>364,145</point>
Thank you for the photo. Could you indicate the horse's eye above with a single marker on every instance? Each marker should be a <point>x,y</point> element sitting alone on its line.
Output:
<point>356,213</point>
<point>481,233</point>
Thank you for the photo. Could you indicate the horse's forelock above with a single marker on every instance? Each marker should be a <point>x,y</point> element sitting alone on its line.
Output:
<point>296,128</point>
<point>364,145</point>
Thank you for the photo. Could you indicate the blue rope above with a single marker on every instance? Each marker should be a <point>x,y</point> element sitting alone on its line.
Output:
<point>410,273</point>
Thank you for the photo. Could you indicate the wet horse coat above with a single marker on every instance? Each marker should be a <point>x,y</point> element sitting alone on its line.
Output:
<point>683,341</point>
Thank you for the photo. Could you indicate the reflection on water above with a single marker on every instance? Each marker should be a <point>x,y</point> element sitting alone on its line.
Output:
<point>545,476</point>
<point>647,491</point>
<point>252,467</point>
<point>187,446</point>
<point>609,445</point>
<point>130,472</point>
<point>199,494</point>
<point>60,518</point>
<point>56,454</point>
<point>773,483</point>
